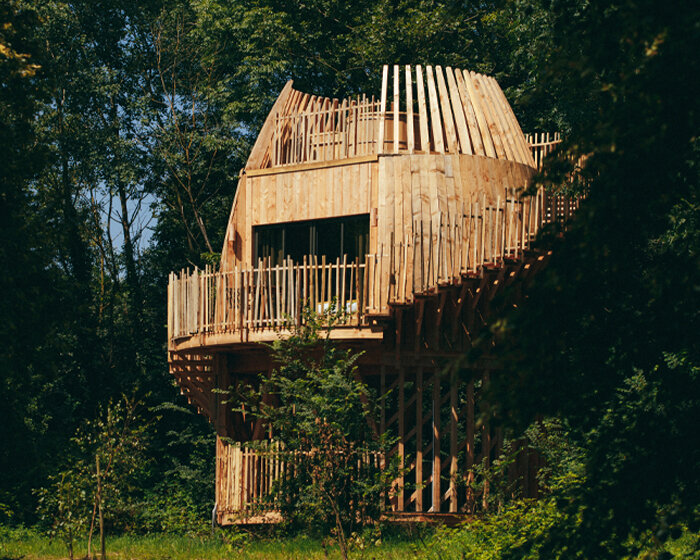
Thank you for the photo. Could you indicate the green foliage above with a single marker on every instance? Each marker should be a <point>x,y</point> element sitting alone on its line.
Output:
<point>523,530</point>
<point>176,497</point>
<point>116,441</point>
<point>520,528</point>
<point>514,532</point>
<point>606,340</point>
<point>64,507</point>
<point>532,529</point>
<point>322,414</point>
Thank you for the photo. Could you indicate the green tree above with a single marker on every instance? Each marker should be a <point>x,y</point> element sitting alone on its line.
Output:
<point>109,454</point>
<point>322,415</point>
<point>333,48</point>
<point>607,338</point>
<point>25,263</point>
<point>84,312</point>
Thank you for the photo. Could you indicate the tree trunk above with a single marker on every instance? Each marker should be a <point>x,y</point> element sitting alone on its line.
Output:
<point>341,533</point>
<point>99,509</point>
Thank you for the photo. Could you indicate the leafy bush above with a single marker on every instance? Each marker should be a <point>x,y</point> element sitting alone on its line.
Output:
<point>107,456</point>
<point>322,414</point>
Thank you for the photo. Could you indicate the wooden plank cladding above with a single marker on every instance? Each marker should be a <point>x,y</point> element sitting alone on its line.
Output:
<point>308,194</point>
<point>420,188</point>
<point>433,139</point>
<point>463,112</point>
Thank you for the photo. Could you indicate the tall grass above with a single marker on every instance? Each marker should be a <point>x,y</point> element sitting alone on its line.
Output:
<point>28,544</point>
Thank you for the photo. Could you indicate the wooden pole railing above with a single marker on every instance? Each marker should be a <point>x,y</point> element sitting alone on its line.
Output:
<point>436,253</point>
<point>420,110</point>
<point>328,131</point>
<point>265,297</point>
<point>246,474</point>
<point>542,144</point>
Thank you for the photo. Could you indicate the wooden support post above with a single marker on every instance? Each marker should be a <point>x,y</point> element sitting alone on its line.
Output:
<point>382,399</point>
<point>419,439</point>
<point>439,312</point>
<point>402,441</point>
<point>436,442</point>
<point>419,322</point>
<point>470,446</point>
<point>454,418</point>
<point>486,448</point>
<point>459,305</point>
<point>398,319</point>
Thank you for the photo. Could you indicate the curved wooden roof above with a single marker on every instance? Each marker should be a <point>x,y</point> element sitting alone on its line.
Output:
<point>444,111</point>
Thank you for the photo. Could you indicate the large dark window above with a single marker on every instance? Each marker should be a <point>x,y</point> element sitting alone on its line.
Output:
<point>333,238</point>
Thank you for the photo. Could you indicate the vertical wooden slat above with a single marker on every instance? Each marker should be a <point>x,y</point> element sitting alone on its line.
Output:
<point>410,135</point>
<point>382,109</point>
<point>489,118</point>
<point>435,112</point>
<point>470,115</point>
<point>458,111</point>
<point>341,297</point>
<point>507,133</point>
<point>476,103</point>
<point>422,112</point>
<point>524,148</point>
<point>397,96</point>
<point>447,119</point>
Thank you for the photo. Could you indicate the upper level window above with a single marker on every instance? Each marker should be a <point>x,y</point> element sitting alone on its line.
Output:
<point>333,238</point>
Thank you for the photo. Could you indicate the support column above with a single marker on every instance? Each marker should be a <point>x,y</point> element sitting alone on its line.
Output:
<point>419,439</point>
<point>436,442</point>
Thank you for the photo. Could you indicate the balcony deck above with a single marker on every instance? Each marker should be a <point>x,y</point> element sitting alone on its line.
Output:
<point>208,308</point>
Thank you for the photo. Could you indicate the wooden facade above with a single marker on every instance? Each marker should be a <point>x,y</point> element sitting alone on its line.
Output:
<point>433,169</point>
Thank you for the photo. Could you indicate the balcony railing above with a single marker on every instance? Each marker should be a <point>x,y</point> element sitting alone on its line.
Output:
<point>246,475</point>
<point>329,131</point>
<point>542,144</point>
<point>439,253</point>
<point>421,110</point>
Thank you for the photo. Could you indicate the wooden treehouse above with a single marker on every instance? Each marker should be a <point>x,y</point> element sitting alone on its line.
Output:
<point>405,210</point>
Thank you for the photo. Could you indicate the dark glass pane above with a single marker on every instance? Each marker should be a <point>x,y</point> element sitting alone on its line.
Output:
<point>269,244</point>
<point>332,238</point>
<point>297,240</point>
<point>328,239</point>
<point>356,237</point>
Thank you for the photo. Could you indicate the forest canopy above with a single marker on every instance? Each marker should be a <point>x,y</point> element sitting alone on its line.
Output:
<point>125,124</point>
